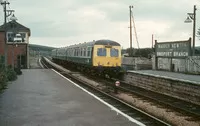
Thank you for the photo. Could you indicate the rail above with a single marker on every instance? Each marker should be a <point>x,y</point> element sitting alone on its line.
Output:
<point>124,107</point>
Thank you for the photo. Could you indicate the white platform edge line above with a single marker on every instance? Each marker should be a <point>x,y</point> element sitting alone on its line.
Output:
<point>112,108</point>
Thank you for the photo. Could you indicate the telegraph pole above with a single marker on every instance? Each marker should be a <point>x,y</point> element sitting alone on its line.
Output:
<point>131,50</point>
<point>5,32</point>
<point>192,16</point>
<point>152,40</point>
<point>194,26</point>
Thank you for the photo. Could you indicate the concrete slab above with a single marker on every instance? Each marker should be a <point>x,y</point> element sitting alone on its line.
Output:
<point>40,97</point>
<point>171,75</point>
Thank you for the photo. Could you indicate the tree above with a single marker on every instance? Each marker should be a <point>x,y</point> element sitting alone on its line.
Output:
<point>144,52</point>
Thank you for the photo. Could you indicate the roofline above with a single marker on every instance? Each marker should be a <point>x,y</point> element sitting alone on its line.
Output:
<point>2,27</point>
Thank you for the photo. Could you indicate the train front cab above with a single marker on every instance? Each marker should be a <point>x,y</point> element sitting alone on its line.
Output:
<point>107,59</point>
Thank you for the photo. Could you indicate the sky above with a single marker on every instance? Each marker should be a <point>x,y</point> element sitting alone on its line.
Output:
<point>66,22</point>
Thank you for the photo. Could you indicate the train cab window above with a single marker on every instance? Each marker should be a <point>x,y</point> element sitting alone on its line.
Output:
<point>101,52</point>
<point>114,52</point>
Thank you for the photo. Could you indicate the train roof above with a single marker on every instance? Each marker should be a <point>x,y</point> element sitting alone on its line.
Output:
<point>106,42</point>
<point>98,42</point>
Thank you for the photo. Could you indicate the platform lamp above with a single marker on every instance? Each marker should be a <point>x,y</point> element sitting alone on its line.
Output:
<point>192,16</point>
<point>14,30</point>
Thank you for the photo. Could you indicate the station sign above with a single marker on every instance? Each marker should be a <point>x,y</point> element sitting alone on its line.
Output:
<point>173,49</point>
<point>117,83</point>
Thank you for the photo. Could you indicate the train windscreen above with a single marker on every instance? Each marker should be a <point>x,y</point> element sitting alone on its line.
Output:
<point>101,52</point>
<point>114,52</point>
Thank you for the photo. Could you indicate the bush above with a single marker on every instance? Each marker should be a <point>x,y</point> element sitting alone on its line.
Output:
<point>18,71</point>
<point>11,74</point>
<point>3,78</point>
<point>7,75</point>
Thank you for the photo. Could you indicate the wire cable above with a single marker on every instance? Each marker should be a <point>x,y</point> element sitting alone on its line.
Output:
<point>136,37</point>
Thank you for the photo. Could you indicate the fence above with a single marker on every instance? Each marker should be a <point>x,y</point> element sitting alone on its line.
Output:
<point>190,64</point>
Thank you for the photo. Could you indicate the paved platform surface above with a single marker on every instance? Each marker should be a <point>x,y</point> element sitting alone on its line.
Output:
<point>179,76</point>
<point>34,62</point>
<point>40,97</point>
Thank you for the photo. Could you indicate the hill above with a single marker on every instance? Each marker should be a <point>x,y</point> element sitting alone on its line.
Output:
<point>40,50</point>
<point>40,47</point>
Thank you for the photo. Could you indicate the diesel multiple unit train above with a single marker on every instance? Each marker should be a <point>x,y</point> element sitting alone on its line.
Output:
<point>101,57</point>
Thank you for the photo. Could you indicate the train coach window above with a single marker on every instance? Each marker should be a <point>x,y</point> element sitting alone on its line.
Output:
<point>89,51</point>
<point>81,52</point>
<point>84,52</point>
<point>75,52</point>
<point>101,52</point>
<point>114,52</point>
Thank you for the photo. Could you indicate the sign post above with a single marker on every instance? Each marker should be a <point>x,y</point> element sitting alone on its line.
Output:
<point>117,84</point>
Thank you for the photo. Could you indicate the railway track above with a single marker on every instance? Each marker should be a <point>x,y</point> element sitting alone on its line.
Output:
<point>177,104</point>
<point>181,106</point>
<point>44,64</point>
<point>124,107</point>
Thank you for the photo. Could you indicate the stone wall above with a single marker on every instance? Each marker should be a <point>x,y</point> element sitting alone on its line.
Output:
<point>185,90</point>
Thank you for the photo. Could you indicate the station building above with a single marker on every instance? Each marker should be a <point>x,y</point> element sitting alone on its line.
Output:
<point>17,43</point>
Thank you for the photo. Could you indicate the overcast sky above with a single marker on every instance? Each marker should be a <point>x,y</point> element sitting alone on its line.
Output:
<point>65,22</point>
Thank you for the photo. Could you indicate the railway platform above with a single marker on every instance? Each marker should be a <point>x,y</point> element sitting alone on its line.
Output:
<point>170,75</point>
<point>34,62</point>
<point>181,86</point>
<point>41,97</point>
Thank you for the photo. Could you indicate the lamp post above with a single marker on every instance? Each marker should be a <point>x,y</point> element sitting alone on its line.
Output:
<point>192,16</point>
<point>171,61</point>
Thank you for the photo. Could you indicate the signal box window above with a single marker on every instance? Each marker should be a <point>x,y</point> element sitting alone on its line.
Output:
<point>114,52</point>
<point>101,52</point>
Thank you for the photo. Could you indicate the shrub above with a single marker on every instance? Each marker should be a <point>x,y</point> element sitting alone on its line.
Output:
<point>18,71</point>
<point>3,78</point>
<point>8,74</point>
<point>11,74</point>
